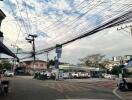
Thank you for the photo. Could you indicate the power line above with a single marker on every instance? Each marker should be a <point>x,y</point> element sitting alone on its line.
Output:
<point>64,20</point>
<point>75,26</point>
<point>103,10</point>
<point>117,20</point>
<point>29,25</point>
<point>112,22</point>
<point>91,17</point>
<point>77,18</point>
<point>49,27</point>
<point>73,21</point>
<point>16,21</point>
<point>85,13</point>
<point>26,29</point>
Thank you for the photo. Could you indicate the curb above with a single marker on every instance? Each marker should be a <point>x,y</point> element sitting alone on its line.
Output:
<point>120,97</point>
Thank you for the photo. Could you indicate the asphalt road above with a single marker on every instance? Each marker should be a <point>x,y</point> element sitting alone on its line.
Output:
<point>30,89</point>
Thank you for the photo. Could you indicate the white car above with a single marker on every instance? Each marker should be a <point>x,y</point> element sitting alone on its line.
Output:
<point>84,75</point>
<point>107,76</point>
<point>75,75</point>
<point>9,73</point>
<point>65,75</point>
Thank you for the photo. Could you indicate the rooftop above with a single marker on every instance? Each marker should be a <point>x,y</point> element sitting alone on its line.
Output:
<point>2,15</point>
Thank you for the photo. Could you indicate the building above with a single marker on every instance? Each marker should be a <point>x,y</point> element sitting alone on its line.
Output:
<point>2,16</point>
<point>118,60</point>
<point>30,67</point>
<point>91,70</point>
<point>3,48</point>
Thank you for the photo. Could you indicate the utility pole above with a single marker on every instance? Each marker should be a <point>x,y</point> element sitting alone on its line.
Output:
<point>17,49</point>
<point>130,32</point>
<point>47,59</point>
<point>31,39</point>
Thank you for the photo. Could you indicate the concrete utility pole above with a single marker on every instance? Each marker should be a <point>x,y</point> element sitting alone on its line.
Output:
<point>31,39</point>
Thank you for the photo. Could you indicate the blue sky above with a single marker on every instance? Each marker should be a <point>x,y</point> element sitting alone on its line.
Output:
<point>56,21</point>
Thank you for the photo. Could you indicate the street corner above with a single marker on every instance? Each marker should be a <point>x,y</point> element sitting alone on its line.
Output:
<point>126,95</point>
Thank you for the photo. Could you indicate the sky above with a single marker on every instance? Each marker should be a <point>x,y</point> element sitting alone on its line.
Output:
<point>57,21</point>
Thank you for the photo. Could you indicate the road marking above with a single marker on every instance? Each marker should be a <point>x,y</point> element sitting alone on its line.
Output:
<point>120,97</point>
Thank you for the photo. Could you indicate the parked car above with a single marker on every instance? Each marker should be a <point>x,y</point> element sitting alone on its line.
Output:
<point>75,75</point>
<point>48,74</point>
<point>65,75</point>
<point>107,76</point>
<point>84,75</point>
<point>9,73</point>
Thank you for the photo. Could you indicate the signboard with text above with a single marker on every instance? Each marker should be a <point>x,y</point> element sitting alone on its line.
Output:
<point>58,50</point>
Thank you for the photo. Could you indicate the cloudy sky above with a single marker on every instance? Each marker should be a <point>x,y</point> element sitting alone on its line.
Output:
<point>57,21</point>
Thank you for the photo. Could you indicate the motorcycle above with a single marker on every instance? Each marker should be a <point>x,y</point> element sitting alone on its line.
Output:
<point>4,87</point>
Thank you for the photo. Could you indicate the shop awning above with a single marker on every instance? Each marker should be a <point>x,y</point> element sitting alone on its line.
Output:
<point>5,50</point>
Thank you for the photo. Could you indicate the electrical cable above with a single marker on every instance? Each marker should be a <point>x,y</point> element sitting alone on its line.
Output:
<point>112,22</point>
<point>54,24</point>
<point>17,23</point>
<point>87,26</point>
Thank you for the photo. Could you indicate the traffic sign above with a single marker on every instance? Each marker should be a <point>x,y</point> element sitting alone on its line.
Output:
<point>58,48</point>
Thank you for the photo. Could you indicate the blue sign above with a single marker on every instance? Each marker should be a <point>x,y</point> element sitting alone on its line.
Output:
<point>58,48</point>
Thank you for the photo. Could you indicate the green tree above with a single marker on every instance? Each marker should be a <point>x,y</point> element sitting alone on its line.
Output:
<point>51,63</point>
<point>116,70</point>
<point>1,66</point>
<point>94,60</point>
<point>5,65</point>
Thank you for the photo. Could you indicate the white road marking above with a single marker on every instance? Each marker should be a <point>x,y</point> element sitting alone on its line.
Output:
<point>120,97</point>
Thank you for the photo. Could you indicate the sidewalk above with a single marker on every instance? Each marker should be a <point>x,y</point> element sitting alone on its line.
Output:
<point>126,95</point>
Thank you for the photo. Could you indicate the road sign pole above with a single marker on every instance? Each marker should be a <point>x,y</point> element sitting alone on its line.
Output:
<point>58,51</point>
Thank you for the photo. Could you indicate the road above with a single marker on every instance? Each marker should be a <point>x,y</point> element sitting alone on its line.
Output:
<point>31,89</point>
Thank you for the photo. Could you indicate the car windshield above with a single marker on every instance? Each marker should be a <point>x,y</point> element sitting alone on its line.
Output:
<point>66,49</point>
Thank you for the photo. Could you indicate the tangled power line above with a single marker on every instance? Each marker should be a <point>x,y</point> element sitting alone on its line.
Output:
<point>117,17</point>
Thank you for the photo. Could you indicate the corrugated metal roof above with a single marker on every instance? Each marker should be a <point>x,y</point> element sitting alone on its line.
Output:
<point>5,50</point>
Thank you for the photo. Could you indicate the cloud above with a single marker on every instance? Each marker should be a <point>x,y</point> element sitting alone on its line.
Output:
<point>95,19</point>
<point>56,21</point>
<point>27,6</point>
<point>11,7</point>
